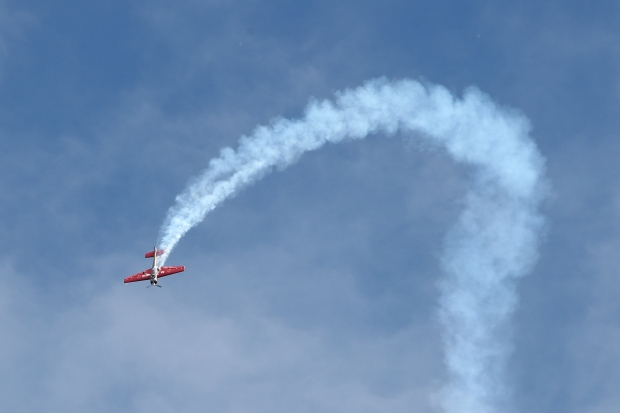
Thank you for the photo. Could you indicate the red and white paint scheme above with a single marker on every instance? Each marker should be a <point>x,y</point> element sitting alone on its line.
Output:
<point>154,272</point>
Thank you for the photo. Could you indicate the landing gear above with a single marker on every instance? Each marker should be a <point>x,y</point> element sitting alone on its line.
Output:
<point>154,283</point>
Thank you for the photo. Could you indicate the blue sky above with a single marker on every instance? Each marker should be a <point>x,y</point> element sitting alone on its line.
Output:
<point>316,288</point>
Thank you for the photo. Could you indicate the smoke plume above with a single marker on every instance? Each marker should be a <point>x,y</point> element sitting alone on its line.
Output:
<point>493,243</point>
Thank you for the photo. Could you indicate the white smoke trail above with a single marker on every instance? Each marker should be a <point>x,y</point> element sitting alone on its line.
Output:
<point>494,242</point>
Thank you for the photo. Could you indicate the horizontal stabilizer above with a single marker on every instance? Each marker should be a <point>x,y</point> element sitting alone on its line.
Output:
<point>151,254</point>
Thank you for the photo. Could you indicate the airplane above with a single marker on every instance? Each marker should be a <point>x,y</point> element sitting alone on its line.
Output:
<point>154,272</point>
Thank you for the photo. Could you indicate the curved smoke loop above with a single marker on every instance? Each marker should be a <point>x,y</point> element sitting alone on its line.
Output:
<point>493,243</point>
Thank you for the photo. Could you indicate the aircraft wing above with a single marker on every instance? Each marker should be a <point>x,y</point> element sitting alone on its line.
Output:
<point>141,276</point>
<point>165,271</point>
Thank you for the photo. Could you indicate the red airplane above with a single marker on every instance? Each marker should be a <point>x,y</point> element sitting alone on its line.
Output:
<point>154,272</point>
